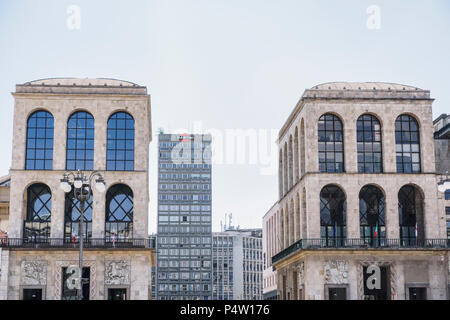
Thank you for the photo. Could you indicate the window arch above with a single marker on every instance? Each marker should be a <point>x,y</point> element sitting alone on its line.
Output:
<point>372,224</point>
<point>80,141</point>
<point>39,148</point>
<point>120,144</point>
<point>296,151</point>
<point>72,215</point>
<point>290,164</point>
<point>407,144</point>
<point>119,212</point>
<point>411,217</point>
<point>333,227</point>
<point>368,132</point>
<point>38,214</point>
<point>331,144</point>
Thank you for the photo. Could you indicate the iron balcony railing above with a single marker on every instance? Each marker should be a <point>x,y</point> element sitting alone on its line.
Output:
<point>361,243</point>
<point>66,243</point>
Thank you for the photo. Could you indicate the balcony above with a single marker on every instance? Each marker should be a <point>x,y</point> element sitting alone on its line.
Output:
<point>64,243</point>
<point>361,244</point>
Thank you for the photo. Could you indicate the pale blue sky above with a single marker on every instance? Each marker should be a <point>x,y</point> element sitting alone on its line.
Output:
<point>228,63</point>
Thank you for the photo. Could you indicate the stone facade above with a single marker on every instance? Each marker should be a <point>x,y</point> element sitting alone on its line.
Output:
<point>111,267</point>
<point>296,215</point>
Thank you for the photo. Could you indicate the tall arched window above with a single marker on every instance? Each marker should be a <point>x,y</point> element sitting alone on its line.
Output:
<point>120,144</point>
<point>331,144</point>
<point>296,151</point>
<point>411,218</point>
<point>80,141</point>
<point>368,132</point>
<point>119,212</point>
<point>39,210</point>
<point>372,224</point>
<point>39,150</point>
<point>72,215</point>
<point>280,173</point>
<point>290,164</point>
<point>407,144</point>
<point>333,227</point>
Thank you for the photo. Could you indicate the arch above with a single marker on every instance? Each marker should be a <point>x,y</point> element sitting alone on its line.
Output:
<point>372,219</point>
<point>119,212</point>
<point>292,222</point>
<point>296,151</point>
<point>38,212</point>
<point>297,217</point>
<point>280,173</point>
<point>303,214</point>
<point>281,222</point>
<point>286,225</point>
<point>369,144</point>
<point>331,143</point>
<point>120,142</point>
<point>80,141</point>
<point>291,167</point>
<point>333,227</point>
<point>411,215</point>
<point>39,141</point>
<point>302,148</point>
<point>285,169</point>
<point>407,144</point>
<point>72,215</point>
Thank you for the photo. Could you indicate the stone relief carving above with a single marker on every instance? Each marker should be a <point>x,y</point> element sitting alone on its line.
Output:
<point>34,273</point>
<point>117,272</point>
<point>301,273</point>
<point>336,272</point>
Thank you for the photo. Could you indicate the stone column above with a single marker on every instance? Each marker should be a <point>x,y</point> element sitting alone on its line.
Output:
<point>391,214</point>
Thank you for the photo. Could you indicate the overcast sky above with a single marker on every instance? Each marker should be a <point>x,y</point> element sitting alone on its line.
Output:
<point>224,64</point>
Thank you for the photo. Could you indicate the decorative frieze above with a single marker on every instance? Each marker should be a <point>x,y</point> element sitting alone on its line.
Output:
<point>33,273</point>
<point>117,272</point>
<point>336,272</point>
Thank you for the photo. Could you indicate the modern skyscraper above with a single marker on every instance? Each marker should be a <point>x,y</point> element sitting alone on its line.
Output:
<point>184,217</point>
<point>238,264</point>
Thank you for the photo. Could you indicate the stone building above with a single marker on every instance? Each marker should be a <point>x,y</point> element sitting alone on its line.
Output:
<point>358,215</point>
<point>237,264</point>
<point>271,246</point>
<point>68,124</point>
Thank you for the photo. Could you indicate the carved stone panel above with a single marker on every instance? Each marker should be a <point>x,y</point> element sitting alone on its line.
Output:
<point>33,273</point>
<point>336,272</point>
<point>117,272</point>
<point>301,272</point>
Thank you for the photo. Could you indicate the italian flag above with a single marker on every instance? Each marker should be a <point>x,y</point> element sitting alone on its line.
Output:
<point>376,231</point>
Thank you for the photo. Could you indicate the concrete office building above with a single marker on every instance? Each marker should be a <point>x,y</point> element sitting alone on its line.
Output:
<point>69,124</point>
<point>358,196</point>
<point>184,269</point>
<point>237,264</point>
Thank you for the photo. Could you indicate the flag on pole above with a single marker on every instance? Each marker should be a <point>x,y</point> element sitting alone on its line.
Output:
<point>376,231</point>
<point>73,239</point>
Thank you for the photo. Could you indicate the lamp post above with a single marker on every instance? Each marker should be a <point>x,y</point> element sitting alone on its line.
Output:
<point>82,191</point>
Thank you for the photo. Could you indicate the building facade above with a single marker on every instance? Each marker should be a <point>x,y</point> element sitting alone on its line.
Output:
<point>270,248</point>
<point>184,250</point>
<point>358,197</point>
<point>237,264</point>
<point>68,124</point>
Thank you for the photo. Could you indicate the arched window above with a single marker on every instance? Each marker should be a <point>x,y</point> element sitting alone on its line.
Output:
<point>280,173</point>
<point>407,144</point>
<point>331,144</point>
<point>302,148</point>
<point>332,215</point>
<point>120,144</point>
<point>368,132</point>
<point>39,209</point>
<point>372,224</point>
<point>119,212</point>
<point>296,151</point>
<point>290,164</point>
<point>411,219</point>
<point>80,141</point>
<point>39,151</point>
<point>72,215</point>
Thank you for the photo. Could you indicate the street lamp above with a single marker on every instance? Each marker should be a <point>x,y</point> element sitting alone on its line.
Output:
<point>444,184</point>
<point>82,192</point>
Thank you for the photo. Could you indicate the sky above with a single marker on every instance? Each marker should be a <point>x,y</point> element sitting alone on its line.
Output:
<point>224,65</point>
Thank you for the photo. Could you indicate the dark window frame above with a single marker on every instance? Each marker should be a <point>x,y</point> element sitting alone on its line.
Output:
<point>366,142</point>
<point>333,228</point>
<point>407,136</point>
<point>116,227</point>
<point>39,141</point>
<point>372,214</point>
<point>78,145</point>
<point>330,134</point>
<point>71,207</point>
<point>120,150</point>
<point>35,226</point>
